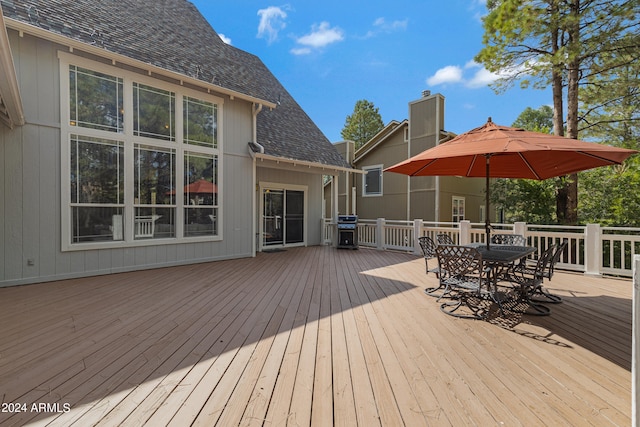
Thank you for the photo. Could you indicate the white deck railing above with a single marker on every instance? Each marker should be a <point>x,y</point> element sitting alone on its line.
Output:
<point>591,249</point>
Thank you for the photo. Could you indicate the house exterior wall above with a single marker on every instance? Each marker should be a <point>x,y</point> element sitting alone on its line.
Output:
<point>471,189</point>
<point>392,204</point>
<point>30,202</point>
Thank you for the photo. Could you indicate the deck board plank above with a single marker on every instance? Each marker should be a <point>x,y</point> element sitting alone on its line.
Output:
<point>309,336</point>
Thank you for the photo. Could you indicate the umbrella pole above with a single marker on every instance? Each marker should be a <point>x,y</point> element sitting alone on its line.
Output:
<point>487,221</point>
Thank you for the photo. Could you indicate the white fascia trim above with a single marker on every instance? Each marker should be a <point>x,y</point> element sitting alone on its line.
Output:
<point>116,58</point>
<point>305,163</point>
<point>9,89</point>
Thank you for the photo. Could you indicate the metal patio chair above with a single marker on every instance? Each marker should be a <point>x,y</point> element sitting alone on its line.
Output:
<point>508,239</point>
<point>428,247</point>
<point>529,278</point>
<point>444,239</point>
<point>466,282</point>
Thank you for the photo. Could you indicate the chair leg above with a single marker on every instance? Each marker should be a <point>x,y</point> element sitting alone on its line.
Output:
<point>531,307</point>
<point>432,291</point>
<point>467,308</point>
<point>544,296</point>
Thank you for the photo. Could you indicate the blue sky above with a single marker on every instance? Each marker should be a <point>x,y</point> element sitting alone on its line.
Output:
<point>330,54</point>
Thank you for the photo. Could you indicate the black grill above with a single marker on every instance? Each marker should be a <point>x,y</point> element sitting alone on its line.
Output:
<point>348,231</point>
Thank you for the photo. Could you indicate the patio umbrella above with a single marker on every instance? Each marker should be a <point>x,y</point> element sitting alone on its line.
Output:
<point>494,151</point>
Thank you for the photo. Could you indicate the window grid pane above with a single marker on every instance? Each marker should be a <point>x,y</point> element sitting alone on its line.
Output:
<point>200,122</point>
<point>200,194</point>
<point>153,112</point>
<point>95,100</point>
<point>97,172</point>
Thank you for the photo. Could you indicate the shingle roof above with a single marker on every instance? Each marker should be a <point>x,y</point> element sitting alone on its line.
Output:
<point>173,35</point>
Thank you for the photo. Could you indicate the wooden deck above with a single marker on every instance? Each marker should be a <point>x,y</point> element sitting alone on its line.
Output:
<point>308,336</point>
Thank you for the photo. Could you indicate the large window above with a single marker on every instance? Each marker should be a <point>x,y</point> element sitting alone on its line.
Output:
<point>142,158</point>
<point>372,181</point>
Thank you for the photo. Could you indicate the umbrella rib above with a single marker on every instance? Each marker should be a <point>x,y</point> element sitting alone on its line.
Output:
<point>604,159</point>
<point>526,162</point>
<point>471,165</point>
<point>423,168</point>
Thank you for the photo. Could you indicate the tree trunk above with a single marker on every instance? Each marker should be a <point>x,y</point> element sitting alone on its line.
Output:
<point>558,123</point>
<point>573,78</point>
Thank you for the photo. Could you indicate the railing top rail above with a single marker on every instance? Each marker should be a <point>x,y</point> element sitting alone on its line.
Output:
<point>556,227</point>
<point>616,229</point>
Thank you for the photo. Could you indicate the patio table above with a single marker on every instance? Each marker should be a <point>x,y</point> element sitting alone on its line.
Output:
<point>501,259</point>
<point>502,255</point>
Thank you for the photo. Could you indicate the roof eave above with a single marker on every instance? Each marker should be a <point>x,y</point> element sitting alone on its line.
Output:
<point>320,167</point>
<point>11,111</point>
<point>24,28</point>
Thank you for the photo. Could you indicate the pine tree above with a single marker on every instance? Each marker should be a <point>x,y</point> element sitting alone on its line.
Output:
<point>363,124</point>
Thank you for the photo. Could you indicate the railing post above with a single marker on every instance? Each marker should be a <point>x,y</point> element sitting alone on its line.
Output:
<point>592,250</point>
<point>635,346</point>
<point>520,228</point>
<point>465,232</point>
<point>380,234</point>
<point>417,232</point>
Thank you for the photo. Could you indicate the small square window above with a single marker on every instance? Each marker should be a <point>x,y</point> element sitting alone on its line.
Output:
<point>372,181</point>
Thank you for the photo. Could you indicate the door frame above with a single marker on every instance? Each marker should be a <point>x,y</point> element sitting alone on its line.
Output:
<point>263,186</point>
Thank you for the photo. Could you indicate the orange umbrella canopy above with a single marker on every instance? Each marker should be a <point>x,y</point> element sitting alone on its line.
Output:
<point>201,186</point>
<point>512,153</point>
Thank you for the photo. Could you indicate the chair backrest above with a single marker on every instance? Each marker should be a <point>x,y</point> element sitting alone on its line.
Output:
<point>556,257</point>
<point>544,261</point>
<point>457,261</point>
<point>444,239</point>
<point>508,239</point>
<point>428,246</point>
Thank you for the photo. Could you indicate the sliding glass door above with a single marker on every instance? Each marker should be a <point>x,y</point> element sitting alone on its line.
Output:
<point>282,217</point>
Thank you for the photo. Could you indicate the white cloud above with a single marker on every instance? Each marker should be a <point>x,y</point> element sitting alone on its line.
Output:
<point>321,36</point>
<point>271,22</point>
<point>482,78</point>
<point>448,74</point>
<point>472,75</point>
<point>225,39</point>
<point>381,25</point>
<point>301,51</point>
<point>388,27</point>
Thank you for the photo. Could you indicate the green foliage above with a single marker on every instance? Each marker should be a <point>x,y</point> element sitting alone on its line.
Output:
<point>363,124</point>
<point>540,120</point>
<point>588,51</point>
<point>526,200</point>
<point>608,195</point>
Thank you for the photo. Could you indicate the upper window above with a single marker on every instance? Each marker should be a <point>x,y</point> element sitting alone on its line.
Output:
<point>143,158</point>
<point>95,100</point>
<point>372,181</point>
<point>154,112</point>
<point>200,122</point>
<point>457,209</point>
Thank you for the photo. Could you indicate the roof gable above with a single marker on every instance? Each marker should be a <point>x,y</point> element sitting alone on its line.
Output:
<point>385,134</point>
<point>173,35</point>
